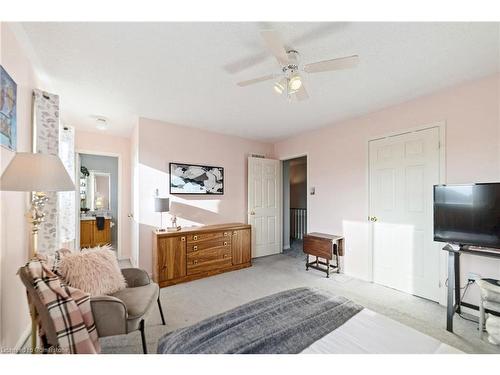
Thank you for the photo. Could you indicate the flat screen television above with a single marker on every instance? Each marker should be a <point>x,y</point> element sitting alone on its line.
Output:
<point>467,214</point>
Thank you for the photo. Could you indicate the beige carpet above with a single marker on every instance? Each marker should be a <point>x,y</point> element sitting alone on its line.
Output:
<point>191,302</point>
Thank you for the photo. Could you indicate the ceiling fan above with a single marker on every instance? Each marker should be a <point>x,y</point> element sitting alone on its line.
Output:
<point>289,81</point>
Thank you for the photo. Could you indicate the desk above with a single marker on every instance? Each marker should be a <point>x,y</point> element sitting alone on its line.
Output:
<point>325,246</point>
<point>453,299</point>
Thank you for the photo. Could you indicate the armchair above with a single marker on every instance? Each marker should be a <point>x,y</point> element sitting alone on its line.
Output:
<point>117,314</point>
<point>124,311</point>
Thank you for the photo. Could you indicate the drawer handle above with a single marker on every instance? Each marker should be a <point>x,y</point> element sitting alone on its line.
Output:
<point>195,237</point>
<point>235,233</point>
<point>195,262</point>
<point>225,255</point>
<point>225,234</point>
<point>183,238</point>
<point>195,247</point>
<point>225,243</point>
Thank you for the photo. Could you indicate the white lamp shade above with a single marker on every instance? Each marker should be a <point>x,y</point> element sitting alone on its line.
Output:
<point>162,204</point>
<point>36,172</point>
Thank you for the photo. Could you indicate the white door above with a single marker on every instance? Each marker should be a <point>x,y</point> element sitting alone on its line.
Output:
<point>264,205</point>
<point>403,170</point>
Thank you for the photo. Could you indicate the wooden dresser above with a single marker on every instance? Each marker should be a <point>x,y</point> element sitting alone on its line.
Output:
<point>194,253</point>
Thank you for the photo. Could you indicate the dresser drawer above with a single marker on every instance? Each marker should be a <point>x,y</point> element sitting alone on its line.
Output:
<point>209,244</point>
<point>208,259</point>
<point>197,237</point>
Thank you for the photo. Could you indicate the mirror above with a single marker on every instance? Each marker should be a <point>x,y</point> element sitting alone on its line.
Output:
<point>95,191</point>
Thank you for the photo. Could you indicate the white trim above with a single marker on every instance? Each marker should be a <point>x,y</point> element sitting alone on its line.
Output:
<point>282,159</point>
<point>118,192</point>
<point>441,125</point>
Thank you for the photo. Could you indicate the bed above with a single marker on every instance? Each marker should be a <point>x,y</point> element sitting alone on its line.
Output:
<point>301,320</point>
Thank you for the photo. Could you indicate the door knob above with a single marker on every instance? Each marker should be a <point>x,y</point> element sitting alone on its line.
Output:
<point>372,218</point>
<point>252,212</point>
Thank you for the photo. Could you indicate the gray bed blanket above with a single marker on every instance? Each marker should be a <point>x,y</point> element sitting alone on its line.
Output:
<point>285,322</point>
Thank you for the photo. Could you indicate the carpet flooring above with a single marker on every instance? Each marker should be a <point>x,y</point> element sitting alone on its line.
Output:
<point>188,303</point>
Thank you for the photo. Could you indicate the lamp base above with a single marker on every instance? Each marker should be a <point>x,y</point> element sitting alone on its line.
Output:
<point>174,229</point>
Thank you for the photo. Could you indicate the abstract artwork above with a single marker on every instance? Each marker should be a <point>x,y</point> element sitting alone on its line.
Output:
<point>196,179</point>
<point>8,99</point>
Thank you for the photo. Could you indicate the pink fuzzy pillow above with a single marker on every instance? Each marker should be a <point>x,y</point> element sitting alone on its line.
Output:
<point>94,271</point>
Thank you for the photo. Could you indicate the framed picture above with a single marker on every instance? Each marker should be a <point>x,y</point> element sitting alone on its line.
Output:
<point>196,179</point>
<point>8,120</point>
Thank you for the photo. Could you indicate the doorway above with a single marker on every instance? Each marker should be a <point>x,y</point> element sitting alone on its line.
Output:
<point>98,201</point>
<point>294,205</point>
<point>402,171</point>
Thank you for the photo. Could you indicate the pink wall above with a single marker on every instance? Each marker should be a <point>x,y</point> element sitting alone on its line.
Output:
<point>338,154</point>
<point>105,144</point>
<point>160,143</point>
<point>14,231</point>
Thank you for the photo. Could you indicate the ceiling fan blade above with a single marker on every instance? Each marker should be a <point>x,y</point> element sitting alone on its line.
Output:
<point>301,94</point>
<point>275,45</point>
<point>333,64</point>
<point>255,80</point>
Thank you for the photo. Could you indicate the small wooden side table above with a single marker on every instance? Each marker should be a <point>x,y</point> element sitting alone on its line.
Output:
<point>324,246</point>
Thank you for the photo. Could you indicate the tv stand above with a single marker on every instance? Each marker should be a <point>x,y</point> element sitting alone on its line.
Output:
<point>453,303</point>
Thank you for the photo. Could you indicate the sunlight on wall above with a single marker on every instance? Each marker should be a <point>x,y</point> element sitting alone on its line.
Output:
<point>358,260</point>
<point>394,249</point>
<point>190,210</point>
<point>206,204</point>
<point>391,254</point>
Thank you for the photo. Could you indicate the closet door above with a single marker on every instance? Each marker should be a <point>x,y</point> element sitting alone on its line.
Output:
<point>403,170</point>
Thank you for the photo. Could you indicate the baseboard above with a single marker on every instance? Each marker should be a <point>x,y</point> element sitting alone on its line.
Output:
<point>23,339</point>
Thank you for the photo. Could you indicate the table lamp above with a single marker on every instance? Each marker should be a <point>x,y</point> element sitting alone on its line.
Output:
<point>37,173</point>
<point>162,205</point>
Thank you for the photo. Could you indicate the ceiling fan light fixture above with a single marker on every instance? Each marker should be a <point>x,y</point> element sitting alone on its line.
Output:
<point>290,85</point>
<point>295,83</point>
<point>279,87</point>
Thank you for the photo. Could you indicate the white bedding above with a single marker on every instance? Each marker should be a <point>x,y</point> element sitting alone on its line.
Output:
<point>369,332</point>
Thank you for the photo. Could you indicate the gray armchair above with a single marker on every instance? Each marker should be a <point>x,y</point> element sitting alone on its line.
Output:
<point>117,314</point>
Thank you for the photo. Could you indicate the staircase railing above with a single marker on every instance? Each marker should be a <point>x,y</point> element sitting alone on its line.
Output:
<point>298,223</point>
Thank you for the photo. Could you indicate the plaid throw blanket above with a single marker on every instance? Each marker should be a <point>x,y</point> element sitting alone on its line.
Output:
<point>69,309</point>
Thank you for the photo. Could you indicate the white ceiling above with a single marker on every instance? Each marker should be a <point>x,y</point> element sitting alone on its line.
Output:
<point>180,72</point>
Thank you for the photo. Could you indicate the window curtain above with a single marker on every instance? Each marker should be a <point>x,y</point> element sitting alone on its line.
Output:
<point>66,200</point>
<point>49,137</point>
<point>46,140</point>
